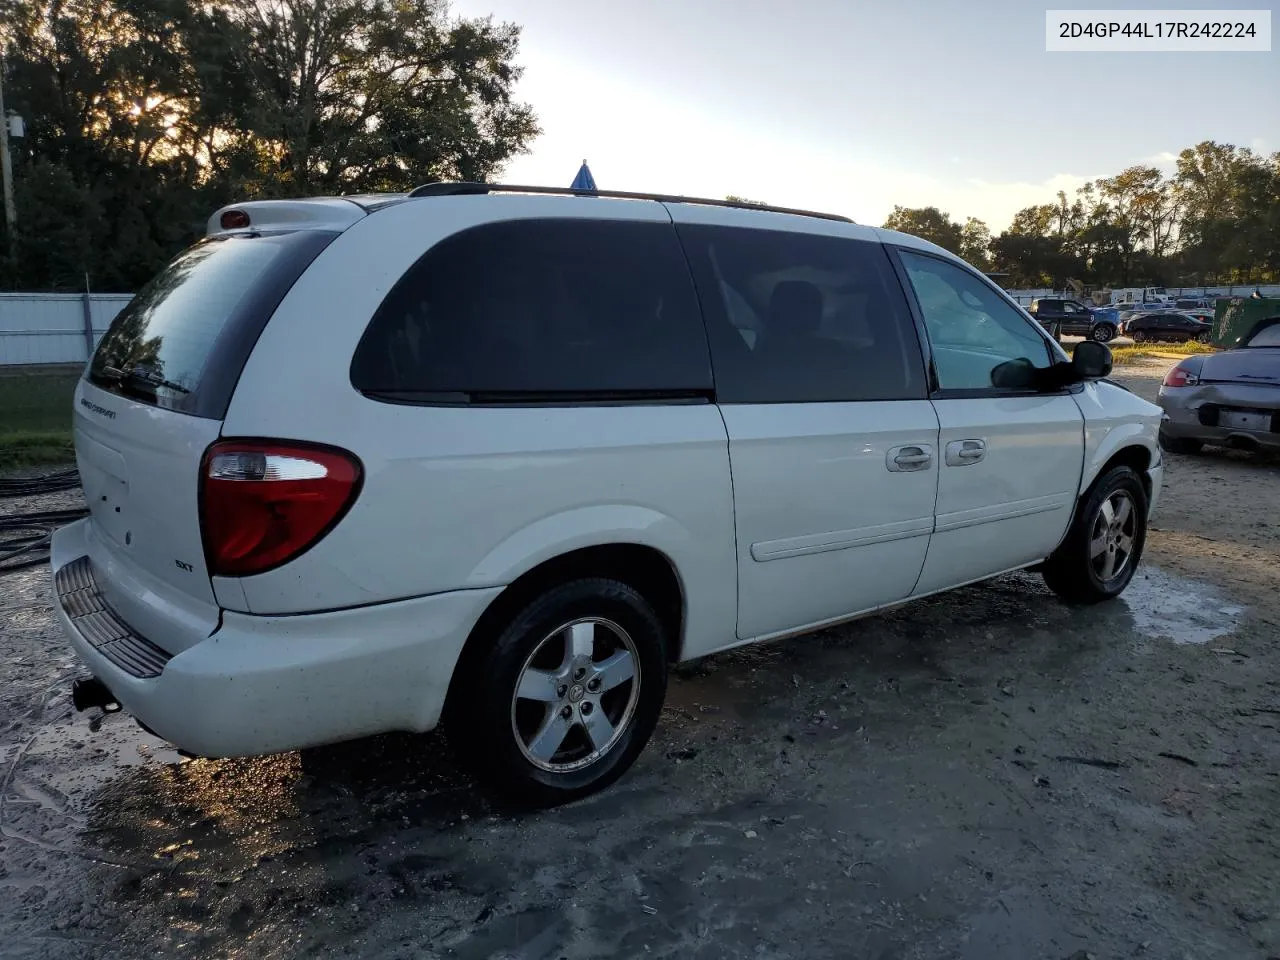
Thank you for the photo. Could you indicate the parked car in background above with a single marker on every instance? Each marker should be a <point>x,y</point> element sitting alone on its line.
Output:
<point>1193,304</point>
<point>1231,398</point>
<point>1063,317</point>
<point>1168,326</point>
<point>498,459</point>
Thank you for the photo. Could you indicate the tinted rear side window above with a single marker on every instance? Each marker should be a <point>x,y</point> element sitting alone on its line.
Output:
<point>182,342</point>
<point>557,310</point>
<point>795,317</point>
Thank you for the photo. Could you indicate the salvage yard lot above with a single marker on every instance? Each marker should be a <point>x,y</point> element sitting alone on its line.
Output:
<point>986,774</point>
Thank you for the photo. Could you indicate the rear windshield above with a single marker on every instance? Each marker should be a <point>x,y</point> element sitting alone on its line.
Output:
<point>182,341</point>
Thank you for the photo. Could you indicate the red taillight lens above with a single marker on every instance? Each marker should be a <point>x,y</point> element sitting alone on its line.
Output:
<point>1180,377</point>
<point>262,503</point>
<point>234,220</point>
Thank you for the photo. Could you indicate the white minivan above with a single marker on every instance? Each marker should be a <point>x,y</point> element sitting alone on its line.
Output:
<point>496,457</point>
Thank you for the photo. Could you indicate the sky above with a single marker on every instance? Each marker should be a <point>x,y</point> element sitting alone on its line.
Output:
<point>853,106</point>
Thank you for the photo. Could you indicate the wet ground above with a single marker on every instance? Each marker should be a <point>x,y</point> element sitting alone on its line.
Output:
<point>982,775</point>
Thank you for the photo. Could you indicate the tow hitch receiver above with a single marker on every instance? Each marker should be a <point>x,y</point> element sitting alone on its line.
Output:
<point>90,692</point>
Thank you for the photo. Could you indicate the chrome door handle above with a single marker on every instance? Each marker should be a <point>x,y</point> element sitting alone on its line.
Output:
<point>909,458</point>
<point>961,453</point>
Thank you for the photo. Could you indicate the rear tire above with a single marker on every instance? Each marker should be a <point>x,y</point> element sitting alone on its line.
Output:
<point>567,695</point>
<point>1104,545</point>
<point>1104,333</point>
<point>1187,446</point>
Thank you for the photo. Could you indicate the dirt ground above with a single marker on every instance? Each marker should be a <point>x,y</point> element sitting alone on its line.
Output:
<point>982,775</point>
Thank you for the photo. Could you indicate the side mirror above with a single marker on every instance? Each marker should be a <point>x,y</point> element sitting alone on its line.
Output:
<point>1091,360</point>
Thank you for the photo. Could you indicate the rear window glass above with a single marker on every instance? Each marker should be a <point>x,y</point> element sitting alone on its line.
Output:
<point>525,310</point>
<point>182,341</point>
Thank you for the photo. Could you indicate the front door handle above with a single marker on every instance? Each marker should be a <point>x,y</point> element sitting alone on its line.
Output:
<point>910,458</point>
<point>961,453</point>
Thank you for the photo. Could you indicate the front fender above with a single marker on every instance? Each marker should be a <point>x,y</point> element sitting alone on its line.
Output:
<point>1110,440</point>
<point>1114,419</point>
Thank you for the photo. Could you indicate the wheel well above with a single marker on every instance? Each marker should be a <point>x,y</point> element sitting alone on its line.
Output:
<point>645,569</point>
<point>1134,456</point>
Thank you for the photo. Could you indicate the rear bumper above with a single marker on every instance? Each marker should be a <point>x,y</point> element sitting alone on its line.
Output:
<point>261,685</point>
<point>1183,419</point>
<point>1220,436</point>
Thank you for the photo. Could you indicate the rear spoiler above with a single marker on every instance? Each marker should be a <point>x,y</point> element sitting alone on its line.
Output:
<point>315,213</point>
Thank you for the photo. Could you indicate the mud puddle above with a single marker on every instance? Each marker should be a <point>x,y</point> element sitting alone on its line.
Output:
<point>1185,611</point>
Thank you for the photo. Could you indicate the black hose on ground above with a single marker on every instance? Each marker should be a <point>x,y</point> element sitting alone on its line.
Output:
<point>54,482</point>
<point>25,537</point>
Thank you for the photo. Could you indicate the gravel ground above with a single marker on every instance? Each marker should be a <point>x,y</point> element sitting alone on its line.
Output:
<point>981,775</point>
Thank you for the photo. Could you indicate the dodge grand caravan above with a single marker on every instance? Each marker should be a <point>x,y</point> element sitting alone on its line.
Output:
<point>496,457</point>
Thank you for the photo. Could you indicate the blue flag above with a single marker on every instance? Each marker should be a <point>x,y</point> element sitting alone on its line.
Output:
<point>584,180</point>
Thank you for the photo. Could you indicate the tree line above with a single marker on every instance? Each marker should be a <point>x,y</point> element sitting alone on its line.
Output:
<point>1215,220</point>
<point>144,116</point>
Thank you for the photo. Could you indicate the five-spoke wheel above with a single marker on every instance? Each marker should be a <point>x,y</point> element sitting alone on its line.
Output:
<point>1111,545</point>
<point>563,696</point>
<point>575,695</point>
<point>1103,546</point>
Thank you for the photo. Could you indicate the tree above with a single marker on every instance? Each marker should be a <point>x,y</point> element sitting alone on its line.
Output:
<point>927,223</point>
<point>145,115</point>
<point>975,243</point>
<point>1132,200</point>
<point>1231,220</point>
<point>1033,251</point>
<point>1034,221</point>
<point>371,95</point>
<point>1030,260</point>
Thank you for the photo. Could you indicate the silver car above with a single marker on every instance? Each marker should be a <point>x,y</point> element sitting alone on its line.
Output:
<point>1230,399</point>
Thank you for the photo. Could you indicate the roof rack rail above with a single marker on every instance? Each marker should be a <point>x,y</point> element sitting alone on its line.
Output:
<point>451,188</point>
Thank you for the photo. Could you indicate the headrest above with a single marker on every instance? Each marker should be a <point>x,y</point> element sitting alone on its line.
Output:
<point>795,309</point>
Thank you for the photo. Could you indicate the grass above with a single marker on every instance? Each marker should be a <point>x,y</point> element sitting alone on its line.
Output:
<point>1123,356</point>
<point>35,415</point>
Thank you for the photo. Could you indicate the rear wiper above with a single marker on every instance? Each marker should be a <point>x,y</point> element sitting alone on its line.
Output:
<point>154,381</point>
<point>136,378</point>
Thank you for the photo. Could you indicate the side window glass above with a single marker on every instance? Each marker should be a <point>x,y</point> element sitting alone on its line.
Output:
<point>971,328</point>
<point>797,317</point>
<point>565,307</point>
<point>1070,308</point>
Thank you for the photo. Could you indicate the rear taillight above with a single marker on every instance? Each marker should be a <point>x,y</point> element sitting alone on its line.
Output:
<point>263,503</point>
<point>1179,376</point>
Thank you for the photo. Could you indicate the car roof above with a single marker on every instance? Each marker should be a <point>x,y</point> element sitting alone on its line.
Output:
<point>339,213</point>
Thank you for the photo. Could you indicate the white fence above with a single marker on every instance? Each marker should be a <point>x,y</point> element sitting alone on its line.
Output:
<point>54,327</point>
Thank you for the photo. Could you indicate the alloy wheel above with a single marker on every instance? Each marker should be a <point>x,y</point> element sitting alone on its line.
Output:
<point>1112,538</point>
<point>575,695</point>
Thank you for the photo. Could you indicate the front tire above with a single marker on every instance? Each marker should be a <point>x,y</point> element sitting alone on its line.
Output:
<point>1102,549</point>
<point>1104,333</point>
<point>1138,337</point>
<point>567,695</point>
